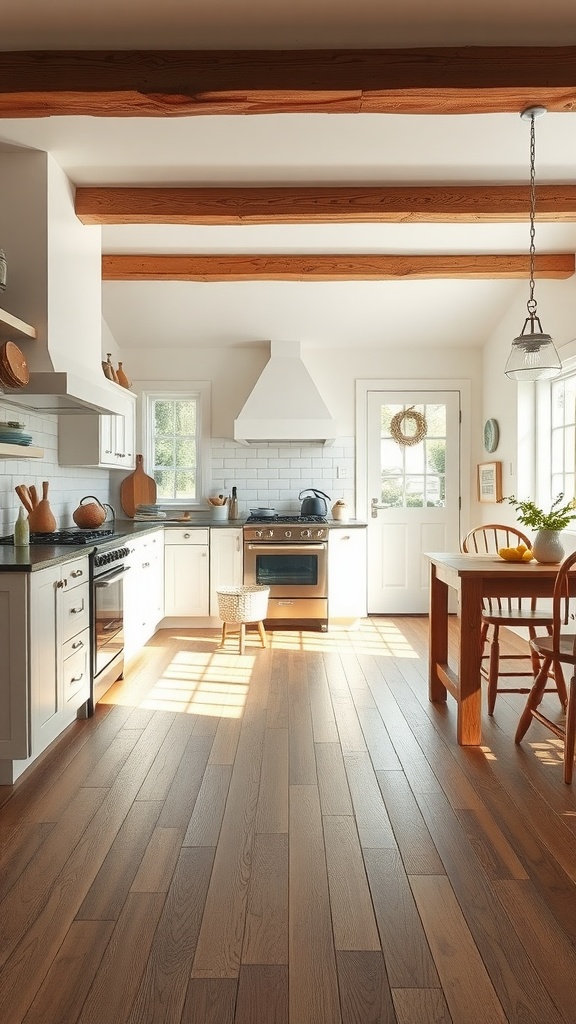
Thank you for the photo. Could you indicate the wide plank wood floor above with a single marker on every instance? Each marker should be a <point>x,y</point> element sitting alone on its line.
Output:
<point>291,836</point>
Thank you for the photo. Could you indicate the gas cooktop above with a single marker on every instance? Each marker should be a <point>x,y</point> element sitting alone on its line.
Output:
<point>286,519</point>
<point>64,537</point>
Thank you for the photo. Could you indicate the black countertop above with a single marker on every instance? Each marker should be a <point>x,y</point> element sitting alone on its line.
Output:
<point>41,556</point>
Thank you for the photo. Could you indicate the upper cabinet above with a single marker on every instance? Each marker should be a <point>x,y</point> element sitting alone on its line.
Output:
<point>99,440</point>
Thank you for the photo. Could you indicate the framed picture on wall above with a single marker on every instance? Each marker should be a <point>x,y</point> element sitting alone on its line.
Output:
<point>490,481</point>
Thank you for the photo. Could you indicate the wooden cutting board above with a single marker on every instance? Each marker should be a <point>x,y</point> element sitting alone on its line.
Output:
<point>137,489</point>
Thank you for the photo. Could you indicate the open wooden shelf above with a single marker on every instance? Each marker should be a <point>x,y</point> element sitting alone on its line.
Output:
<point>17,325</point>
<point>20,451</point>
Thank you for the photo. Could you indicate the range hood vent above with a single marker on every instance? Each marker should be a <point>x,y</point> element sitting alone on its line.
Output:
<point>59,392</point>
<point>285,404</point>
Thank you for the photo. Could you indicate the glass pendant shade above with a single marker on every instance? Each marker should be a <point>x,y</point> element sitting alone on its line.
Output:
<point>533,357</point>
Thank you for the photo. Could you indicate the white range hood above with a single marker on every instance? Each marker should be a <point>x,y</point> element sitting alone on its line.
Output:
<point>53,391</point>
<point>285,404</point>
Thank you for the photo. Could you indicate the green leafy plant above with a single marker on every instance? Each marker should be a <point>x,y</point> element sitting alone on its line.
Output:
<point>557,518</point>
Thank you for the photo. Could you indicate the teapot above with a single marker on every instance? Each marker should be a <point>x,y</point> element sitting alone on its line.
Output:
<point>90,517</point>
<point>315,505</point>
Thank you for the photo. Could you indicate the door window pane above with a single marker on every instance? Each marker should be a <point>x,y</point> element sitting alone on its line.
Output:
<point>413,475</point>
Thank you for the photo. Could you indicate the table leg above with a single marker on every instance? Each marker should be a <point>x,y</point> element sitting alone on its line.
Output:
<point>438,640</point>
<point>469,725</point>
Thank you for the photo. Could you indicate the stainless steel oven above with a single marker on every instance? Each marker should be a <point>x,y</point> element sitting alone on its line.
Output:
<point>108,572</point>
<point>290,555</point>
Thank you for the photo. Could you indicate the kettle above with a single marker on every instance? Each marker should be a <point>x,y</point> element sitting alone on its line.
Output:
<point>315,506</point>
<point>90,517</point>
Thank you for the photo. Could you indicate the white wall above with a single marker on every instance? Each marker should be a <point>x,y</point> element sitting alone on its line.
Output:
<point>272,474</point>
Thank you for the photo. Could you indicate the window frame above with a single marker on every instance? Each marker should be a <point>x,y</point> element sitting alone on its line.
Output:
<point>199,391</point>
<point>545,493</point>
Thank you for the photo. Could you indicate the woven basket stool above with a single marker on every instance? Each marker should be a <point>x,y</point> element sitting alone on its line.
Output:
<point>240,606</point>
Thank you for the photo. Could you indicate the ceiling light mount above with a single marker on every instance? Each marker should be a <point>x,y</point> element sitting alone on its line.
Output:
<point>533,355</point>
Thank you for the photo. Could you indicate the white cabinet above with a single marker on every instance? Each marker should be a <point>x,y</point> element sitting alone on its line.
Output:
<point>346,576</point>
<point>90,439</point>
<point>186,572</point>
<point>59,648</point>
<point>143,590</point>
<point>226,561</point>
<point>44,659</point>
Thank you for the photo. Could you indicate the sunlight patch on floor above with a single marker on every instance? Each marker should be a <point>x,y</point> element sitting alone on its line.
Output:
<point>488,754</point>
<point>384,641</point>
<point>549,751</point>
<point>200,683</point>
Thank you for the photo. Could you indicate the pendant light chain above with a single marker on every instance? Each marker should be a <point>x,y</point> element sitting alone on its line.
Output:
<point>532,306</point>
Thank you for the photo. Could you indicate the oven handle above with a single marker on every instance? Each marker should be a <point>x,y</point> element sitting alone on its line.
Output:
<point>110,577</point>
<point>282,549</point>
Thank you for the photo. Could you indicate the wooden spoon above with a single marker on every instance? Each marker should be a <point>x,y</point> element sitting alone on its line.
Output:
<point>22,493</point>
<point>33,495</point>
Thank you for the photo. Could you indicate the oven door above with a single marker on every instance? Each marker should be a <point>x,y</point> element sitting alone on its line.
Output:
<point>108,617</point>
<point>290,570</point>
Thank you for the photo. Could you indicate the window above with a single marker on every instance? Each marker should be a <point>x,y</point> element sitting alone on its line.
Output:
<point>563,435</point>
<point>175,427</point>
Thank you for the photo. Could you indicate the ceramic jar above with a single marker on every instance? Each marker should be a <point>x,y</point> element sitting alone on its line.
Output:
<point>340,512</point>
<point>547,547</point>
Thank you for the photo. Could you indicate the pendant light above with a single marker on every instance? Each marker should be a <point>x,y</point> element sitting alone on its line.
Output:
<point>533,355</point>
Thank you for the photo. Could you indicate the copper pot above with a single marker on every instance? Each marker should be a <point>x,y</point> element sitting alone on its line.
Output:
<point>90,517</point>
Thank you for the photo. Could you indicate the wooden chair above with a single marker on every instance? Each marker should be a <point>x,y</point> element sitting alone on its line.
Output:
<point>559,647</point>
<point>497,612</point>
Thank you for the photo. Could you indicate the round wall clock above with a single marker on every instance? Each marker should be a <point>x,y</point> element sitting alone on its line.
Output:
<point>491,435</point>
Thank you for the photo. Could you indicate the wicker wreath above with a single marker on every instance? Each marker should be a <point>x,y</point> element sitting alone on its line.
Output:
<point>419,421</point>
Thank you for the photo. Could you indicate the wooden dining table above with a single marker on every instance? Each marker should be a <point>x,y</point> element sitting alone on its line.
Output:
<point>472,578</point>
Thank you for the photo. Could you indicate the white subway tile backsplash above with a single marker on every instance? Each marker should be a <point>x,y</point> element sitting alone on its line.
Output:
<point>275,474</point>
<point>263,475</point>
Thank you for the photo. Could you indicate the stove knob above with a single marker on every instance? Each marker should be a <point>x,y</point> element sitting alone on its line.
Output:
<point>320,534</point>
<point>258,533</point>
<point>306,533</point>
<point>287,534</point>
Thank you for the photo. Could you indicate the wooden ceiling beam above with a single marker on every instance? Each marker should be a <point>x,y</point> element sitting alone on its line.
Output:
<point>172,83</point>
<point>442,204</point>
<point>330,267</point>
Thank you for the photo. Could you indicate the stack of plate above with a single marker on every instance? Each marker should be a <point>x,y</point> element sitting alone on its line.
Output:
<point>14,434</point>
<point>14,372</point>
<point>149,512</point>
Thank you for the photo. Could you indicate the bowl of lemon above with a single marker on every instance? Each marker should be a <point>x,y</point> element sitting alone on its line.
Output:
<point>518,554</point>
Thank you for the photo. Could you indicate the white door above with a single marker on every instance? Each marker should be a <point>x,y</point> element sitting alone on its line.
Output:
<point>413,493</point>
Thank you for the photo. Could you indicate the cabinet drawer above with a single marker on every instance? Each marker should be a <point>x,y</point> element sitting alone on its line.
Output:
<point>186,537</point>
<point>76,676</point>
<point>76,643</point>
<point>76,573</point>
<point>75,611</point>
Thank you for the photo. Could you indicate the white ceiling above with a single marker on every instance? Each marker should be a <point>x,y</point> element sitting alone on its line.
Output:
<point>302,149</point>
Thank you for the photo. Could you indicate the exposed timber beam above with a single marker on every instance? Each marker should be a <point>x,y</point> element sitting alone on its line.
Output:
<point>339,205</point>
<point>167,83</point>
<point>333,267</point>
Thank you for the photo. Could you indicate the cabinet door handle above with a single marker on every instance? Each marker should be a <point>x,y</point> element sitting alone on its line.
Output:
<point>237,543</point>
<point>77,645</point>
<point>60,584</point>
<point>186,536</point>
<point>76,679</point>
<point>76,572</point>
<point>76,611</point>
